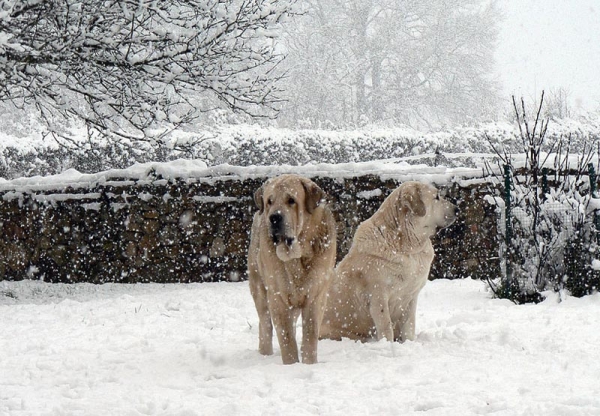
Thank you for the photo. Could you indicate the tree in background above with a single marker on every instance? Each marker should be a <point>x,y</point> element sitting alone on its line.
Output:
<point>413,62</point>
<point>559,103</point>
<point>135,68</point>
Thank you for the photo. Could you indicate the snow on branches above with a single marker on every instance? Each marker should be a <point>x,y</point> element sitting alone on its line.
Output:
<point>132,69</point>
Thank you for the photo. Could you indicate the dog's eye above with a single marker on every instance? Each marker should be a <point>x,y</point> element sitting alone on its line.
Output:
<point>269,201</point>
<point>291,201</point>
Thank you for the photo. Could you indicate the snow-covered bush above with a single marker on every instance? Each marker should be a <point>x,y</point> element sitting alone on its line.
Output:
<point>16,161</point>
<point>549,220</point>
<point>245,145</point>
<point>553,244</point>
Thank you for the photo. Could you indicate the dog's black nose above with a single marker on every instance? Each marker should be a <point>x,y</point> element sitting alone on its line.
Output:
<point>276,219</point>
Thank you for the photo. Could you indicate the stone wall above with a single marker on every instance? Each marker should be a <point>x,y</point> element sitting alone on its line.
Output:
<point>177,230</point>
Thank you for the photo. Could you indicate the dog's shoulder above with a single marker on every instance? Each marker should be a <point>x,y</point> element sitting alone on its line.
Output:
<point>369,238</point>
<point>322,229</point>
<point>258,228</point>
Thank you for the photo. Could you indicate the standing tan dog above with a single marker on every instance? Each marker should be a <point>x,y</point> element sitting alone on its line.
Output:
<point>290,261</point>
<point>375,287</point>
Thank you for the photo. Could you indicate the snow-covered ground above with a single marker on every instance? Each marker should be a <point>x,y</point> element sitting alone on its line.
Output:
<point>192,350</point>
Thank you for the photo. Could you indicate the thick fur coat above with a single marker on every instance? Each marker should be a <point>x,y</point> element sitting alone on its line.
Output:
<point>376,286</point>
<point>290,261</point>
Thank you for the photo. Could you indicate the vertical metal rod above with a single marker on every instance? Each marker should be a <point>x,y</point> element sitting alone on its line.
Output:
<point>593,179</point>
<point>545,186</point>
<point>507,225</point>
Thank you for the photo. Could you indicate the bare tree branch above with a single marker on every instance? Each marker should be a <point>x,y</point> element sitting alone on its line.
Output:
<point>129,68</point>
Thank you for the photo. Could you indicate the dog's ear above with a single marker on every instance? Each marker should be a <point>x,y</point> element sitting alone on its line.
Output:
<point>258,200</point>
<point>411,198</point>
<point>313,195</point>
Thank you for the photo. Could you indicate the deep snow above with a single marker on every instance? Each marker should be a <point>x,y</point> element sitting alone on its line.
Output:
<point>192,350</point>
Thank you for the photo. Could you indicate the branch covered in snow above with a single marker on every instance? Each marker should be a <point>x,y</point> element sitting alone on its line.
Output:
<point>137,69</point>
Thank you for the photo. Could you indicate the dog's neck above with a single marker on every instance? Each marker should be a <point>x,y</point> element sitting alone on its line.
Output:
<point>296,268</point>
<point>392,234</point>
<point>315,239</point>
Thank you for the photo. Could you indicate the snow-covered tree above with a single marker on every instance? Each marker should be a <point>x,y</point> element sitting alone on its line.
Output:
<point>133,68</point>
<point>413,62</point>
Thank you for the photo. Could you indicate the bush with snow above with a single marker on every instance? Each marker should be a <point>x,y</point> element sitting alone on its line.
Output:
<point>550,223</point>
<point>245,145</point>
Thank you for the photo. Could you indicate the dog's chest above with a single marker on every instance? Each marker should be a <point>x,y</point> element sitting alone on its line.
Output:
<point>297,281</point>
<point>297,271</point>
<point>409,274</point>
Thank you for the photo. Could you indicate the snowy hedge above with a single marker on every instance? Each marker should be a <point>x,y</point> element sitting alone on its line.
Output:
<point>246,145</point>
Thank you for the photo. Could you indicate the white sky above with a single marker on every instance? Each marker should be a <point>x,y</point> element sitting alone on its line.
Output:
<point>548,44</point>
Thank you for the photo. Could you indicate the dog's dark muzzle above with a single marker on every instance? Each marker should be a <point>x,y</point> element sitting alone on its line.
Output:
<point>277,227</point>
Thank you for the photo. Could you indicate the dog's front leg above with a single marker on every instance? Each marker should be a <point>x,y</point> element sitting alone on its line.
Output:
<point>312,314</point>
<point>405,328</point>
<point>265,327</point>
<point>380,312</point>
<point>283,320</point>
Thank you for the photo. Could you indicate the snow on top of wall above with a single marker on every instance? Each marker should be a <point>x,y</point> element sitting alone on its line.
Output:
<point>177,169</point>
<point>197,170</point>
<point>194,170</point>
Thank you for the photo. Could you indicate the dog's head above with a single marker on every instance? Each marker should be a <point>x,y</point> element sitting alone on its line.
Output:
<point>286,202</point>
<point>424,207</point>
